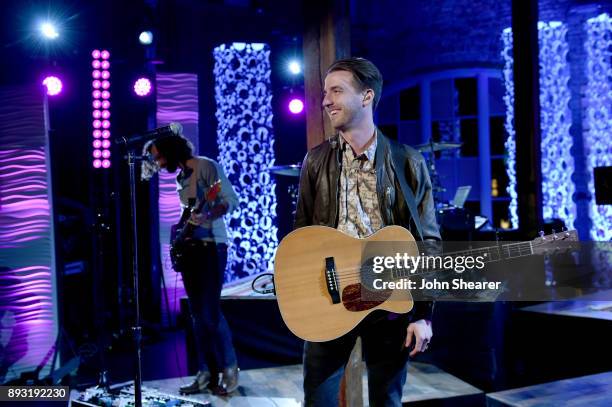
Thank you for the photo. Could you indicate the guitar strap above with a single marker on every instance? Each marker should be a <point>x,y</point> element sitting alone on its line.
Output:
<point>192,194</point>
<point>398,163</point>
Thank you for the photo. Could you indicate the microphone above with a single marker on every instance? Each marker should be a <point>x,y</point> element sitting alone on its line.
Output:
<point>172,129</point>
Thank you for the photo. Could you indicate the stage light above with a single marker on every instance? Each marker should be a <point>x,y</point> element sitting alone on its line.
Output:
<point>296,106</point>
<point>101,107</point>
<point>146,38</point>
<point>49,31</point>
<point>142,87</point>
<point>294,67</point>
<point>53,85</point>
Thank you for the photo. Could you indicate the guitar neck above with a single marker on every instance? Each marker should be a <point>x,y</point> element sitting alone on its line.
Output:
<point>489,254</point>
<point>497,253</point>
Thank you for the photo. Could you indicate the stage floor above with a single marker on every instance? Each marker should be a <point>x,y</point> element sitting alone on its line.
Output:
<point>282,386</point>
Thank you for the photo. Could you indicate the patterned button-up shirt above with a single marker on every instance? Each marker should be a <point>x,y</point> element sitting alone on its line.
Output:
<point>359,214</point>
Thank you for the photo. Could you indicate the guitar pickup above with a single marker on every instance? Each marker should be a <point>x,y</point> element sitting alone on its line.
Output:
<point>331,280</point>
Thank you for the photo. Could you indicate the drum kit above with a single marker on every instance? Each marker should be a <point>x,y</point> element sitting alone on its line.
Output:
<point>293,170</point>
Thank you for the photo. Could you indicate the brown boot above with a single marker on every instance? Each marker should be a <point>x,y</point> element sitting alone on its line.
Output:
<point>228,382</point>
<point>200,383</point>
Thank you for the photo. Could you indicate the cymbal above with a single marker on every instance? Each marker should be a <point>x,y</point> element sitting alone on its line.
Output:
<point>429,147</point>
<point>290,170</point>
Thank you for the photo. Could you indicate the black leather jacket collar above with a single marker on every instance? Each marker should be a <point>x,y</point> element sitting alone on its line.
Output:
<point>320,179</point>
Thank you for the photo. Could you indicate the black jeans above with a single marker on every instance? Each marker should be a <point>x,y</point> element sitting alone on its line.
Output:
<point>384,353</point>
<point>203,279</point>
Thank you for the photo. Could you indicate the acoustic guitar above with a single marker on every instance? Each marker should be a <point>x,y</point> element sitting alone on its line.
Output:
<point>319,274</point>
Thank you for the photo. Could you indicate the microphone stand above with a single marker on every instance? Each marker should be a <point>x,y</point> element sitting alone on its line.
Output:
<point>136,329</point>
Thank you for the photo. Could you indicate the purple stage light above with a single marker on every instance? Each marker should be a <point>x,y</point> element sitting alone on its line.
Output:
<point>296,106</point>
<point>101,107</point>
<point>53,85</point>
<point>142,86</point>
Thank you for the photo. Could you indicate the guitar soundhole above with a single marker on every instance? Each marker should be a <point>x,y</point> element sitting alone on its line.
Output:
<point>352,297</point>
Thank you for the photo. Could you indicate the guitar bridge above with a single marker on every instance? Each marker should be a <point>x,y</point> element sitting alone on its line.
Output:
<point>331,280</point>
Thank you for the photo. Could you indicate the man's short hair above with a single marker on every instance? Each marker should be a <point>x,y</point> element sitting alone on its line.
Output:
<point>365,74</point>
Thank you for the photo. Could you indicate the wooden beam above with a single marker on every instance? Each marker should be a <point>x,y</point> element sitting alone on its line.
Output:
<point>527,115</point>
<point>326,39</point>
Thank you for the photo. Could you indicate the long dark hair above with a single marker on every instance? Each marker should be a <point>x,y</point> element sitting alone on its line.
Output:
<point>175,149</point>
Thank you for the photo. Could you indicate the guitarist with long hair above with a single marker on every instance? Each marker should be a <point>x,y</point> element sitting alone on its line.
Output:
<point>357,182</point>
<point>202,256</point>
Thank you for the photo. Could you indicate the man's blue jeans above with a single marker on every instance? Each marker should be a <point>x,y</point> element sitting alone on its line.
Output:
<point>203,280</point>
<point>384,353</point>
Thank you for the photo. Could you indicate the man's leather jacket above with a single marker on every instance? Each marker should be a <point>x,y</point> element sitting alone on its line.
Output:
<point>318,200</point>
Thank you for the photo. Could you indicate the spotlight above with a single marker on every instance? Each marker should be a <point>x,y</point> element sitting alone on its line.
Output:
<point>49,31</point>
<point>142,87</point>
<point>296,106</point>
<point>53,85</point>
<point>146,38</point>
<point>294,67</point>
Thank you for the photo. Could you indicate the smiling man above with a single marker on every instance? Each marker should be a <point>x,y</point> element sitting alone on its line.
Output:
<point>357,182</point>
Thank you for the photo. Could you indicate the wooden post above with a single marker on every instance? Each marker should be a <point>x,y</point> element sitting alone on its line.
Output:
<point>527,115</point>
<point>326,39</point>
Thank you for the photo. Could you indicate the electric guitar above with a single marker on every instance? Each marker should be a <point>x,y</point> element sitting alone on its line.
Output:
<point>181,234</point>
<point>319,273</point>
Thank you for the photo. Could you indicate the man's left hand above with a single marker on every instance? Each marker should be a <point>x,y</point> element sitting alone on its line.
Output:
<point>419,331</point>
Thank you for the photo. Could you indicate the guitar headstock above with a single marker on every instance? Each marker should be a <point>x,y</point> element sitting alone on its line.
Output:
<point>546,244</point>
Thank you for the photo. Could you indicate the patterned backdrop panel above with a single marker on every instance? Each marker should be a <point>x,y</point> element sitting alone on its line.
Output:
<point>177,101</point>
<point>246,150</point>
<point>557,163</point>
<point>28,298</point>
<point>597,116</point>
